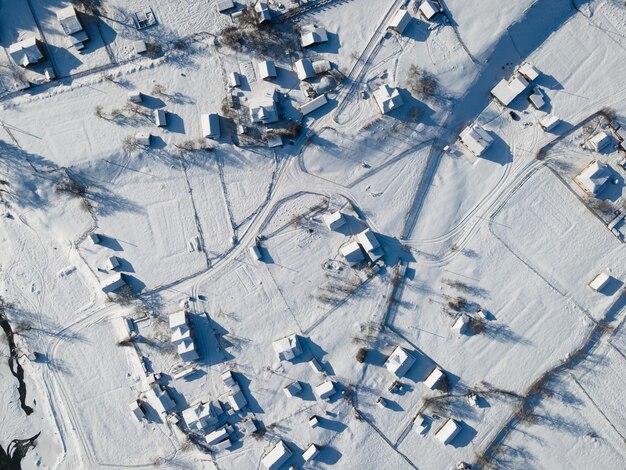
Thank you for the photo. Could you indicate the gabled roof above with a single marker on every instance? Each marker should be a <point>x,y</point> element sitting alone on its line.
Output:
<point>387,98</point>
<point>400,21</point>
<point>594,177</point>
<point>26,51</point>
<point>69,20</point>
<point>476,139</point>
<point>267,69</point>
<point>313,36</point>
<point>428,9</point>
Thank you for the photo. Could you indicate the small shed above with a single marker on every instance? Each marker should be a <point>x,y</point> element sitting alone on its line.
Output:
<point>461,324</point>
<point>287,348</point>
<point>112,283</point>
<point>304,69</point>
<point>94,238</point>
<point>160,118</point>
<point>419,423</point>
<point>325,390</point>
<point>476,139</point>
<point>352,253</point>
<point>68,18</point>
<point>334,220</point>
<point>292,389</point>
<point>112,263</point>
<point>428,9</point>
<point>537,99</point>
<point>229,379</point>
<point>276,457</point>
<point>528,71</point>
<point>143,138</point>
<point>137,410</point>
<point>313,105</point>
<point>267,70</point>
<point>599,282</point>
<point>134,97</point>
<point>321,66</point>
<point>434,378</point>
<point>599,141</point>
<point>315,366</point>
<point>234,80</point>
<point>448,431</point>
<point>314,421</point>
<point>310,453</point>
<point>224,5</point>
<point>140,46</point>
<point>549,122</point>
<point>255,252</point>
<point>26,52</point>
<point>312,36</point>
<point>399,362</point>
<point>387,98</point>
<point>400,21</point>
<point>210,125</point>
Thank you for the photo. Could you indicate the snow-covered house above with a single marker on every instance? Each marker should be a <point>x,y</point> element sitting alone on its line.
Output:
<point>68,18</point>
<point>160,118</point>
<point>312,36</point>
<point>399,362</point>
<point>528,71</point>
<point>594,178</point>
<point>135,97</point>
<point>325,390</point>
<point>334,220</point>
<point>461,324</point>
<point>321,66</point>
<point>263,11</point>
<point>26,52</point>
<point>387,98</point>
<point>370,244</point>
<point>549,122</point>
<point>304,69</point>
<point>276,457</point>
<point>536,98</point>
<point>313,105</point>
<point>267,70</point>
<point>160,399</point>
<point>263,111</point>
<point>434,378</point>
<point>314,421</point>
<point>112,263</point>
<point>217,436</point>
<point>292,389</point>
<point>599,282</point>
<point>210,125</point>
<point>199,417</point>
<point>255,252</point>
<point>140,46</point>
<point>181,336</point>
<point>186,349</point>
<point>315,366</point>
<point>94,238</point>
<point>507,90</point>
<point>400,21</point>
<point>352,253</point>
<point>476,139</point>
<point>112,283</point>
<point>448,431</point>
<point>137,410</point>
<point>237,399</point>
<point>419,423</point>
<point>599,141</point>
<point>310,453</point>
<point>287,348</point>
<point>428,9</point>
<point>234,80</point>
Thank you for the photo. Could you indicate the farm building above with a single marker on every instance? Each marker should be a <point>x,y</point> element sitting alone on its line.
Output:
<point>313,105</point>
<point>199,417</point>
<point>160,399</point>
<point>419,423</point>
<point>186,349</point>
<point>263,11</point>
<point>237,400</point>
<point>461,324</point>
<point>599,282</point>
<point>352,253</point>
<point>181,336</point>
<point>334,220</point>
<point>314,421</point>
<point>549,122</point>
<point>399,362</point>
<point>310,453</point>
<point>266,69</point>
<point>434,378</point>
<point>263,111</point>
<point>287,348</point>
<point>599,141</point>
<point>140,46</point>
<point>315,366</point>
<point>594,178</point>
<point>448,431</point>
<point>135,97</point>
<point>137,410</point>
<point>160,118</point>
<point>292,389</point>
<point>321,66</point>
<point>94,238</point>
<point>217,436</point>
<point>506,91</point>
<point>255,252</point>
<point>304,69</point>
<point>26,52</point>
<point>277,456</point>
<point>112,283</point>
<point>528,71</point>
<point>476,139</point>
<point>112,263</point>
<point>400,21</point>
<point>210,125</point>
<point>428,9</point>
<point>325,390</point>
<point>370,244</point>
<point>312,36</point>
<point>234,80</point>
<point>387,98</point>
<point>536,98</point>
<point>68,18</point>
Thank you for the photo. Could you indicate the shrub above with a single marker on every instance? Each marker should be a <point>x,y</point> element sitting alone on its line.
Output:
<point>361,355</point>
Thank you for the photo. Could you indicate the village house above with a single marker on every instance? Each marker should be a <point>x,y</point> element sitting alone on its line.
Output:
<point>234,80</point>
<point>313,105</point>
<point>160,118</point>
<point>112,283</point>
<point>334,220</point>
<point>276,457</point>
<point>287,348</point>
<point>599,141</point>
<point>263,11</point>
<point>448,431</point>
<point>181,336</point>
<point>325,390</point>
<point>599,282</point>
<point>219,435</point>
<point>400,21</point>
<point>536,98</point>
<point>68,18</point>
<point>263,111</point>
<point>419,423</point>
<point>199,417</point>
<point>370,244</point>
<point>549,122</point>
<point>352,253</point>
<point>428,9</point>
<point>304,69</point>
<point>476,139</point>
<point>26,52</point>
<point>255,253</point>
<point>310,453</point>
<point>136,408</point>
<point>292,389</point>
<point>210,125</point>
<point>387,98</point>
<point>311,36</point>
<point>160,399</point>
<point>594,178</point>
<point>143,138</point>
<point>399,362</point>
<point>528,71</point>
<point>434,378</point>
<point>266,69</point>
<point>112,263</point>
<point>461,324</point>
<point>507,90</point>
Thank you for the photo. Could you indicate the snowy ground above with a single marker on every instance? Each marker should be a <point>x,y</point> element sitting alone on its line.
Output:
<point>509,234</point>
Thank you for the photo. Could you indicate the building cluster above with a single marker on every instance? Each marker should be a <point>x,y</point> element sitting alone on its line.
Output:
<point>181,336</point>
<point>114,281</point>
<point>365,247</point>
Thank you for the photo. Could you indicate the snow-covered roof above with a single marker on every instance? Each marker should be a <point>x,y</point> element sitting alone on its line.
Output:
<point>210,125</point>
<point>594,177</point>
<point>325,390</point>
<point>599,282</point>
<point>267,69</point>
<point>187,350</point>
<point>387,98</point>
<point>506,91</point>
<point>26,51</point>
<point>160,400</point>
<point>287,348</point>
<point>112,262</point>
<point>367,240</point>
<point>400,21</point>
<point>314,104</point>
<point>476,139</point>
<point>136,409</point>
<point>143,138</point>
<point>528,71</point>
<point>304,69</point>
<point>334,220</point>
<point>434,377</point>
<point>216,436</point>
<point>264,111</point>
<point>180,333</point>
<point>428,9</point>
<point>536,98</point>
<point>549,122</point>
<point>233,79</point>
<point>461,323</point>
<point>352,253</point>
<point>223,5</point>
<point>315,366</point>
<point>69,20</point>
<point>237,400</point>
<point>198,416</point>
<point>177,319</point>
<point>277,456</point>
<point>254,251</point>
<point>160,118</point>
<point>600,140</point>
<point>112,283</point>
<point>134,96</point>
<point>321,66</point>
<point>310,452</point>
<point>263,11</point>
<point>292,389</point>
<point>448,431</point>
<point>420,423</point>
<point>313,36</point>
<point>399,362</point>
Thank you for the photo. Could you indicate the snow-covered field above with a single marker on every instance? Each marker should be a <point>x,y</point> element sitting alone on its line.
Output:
<point>507,242</point>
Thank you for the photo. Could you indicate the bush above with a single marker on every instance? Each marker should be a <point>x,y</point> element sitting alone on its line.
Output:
<point>361,355</point>
<point>421,83</point>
